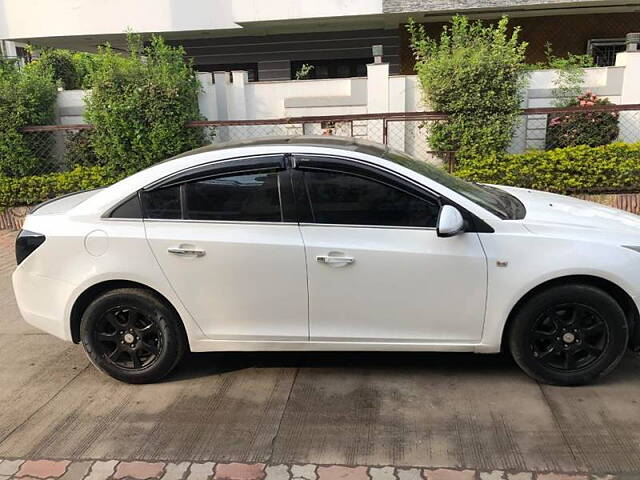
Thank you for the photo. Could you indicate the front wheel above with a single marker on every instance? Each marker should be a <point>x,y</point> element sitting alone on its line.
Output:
<point>132,335</point>
<point>569,335</point>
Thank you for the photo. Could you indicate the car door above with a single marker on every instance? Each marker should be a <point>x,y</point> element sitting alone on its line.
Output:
<point>225,241</point>
<point>377,270</point>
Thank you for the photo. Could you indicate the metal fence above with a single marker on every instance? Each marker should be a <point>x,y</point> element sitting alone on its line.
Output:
<point>59,147</point>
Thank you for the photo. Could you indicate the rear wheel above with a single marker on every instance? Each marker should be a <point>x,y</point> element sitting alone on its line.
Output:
<point>132,335</point>
<point>569,335</point>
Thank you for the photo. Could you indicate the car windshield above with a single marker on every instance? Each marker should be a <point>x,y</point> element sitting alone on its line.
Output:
<point>497,201</point>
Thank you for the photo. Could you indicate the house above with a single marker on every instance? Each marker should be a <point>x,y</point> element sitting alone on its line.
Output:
<point>273,39</point>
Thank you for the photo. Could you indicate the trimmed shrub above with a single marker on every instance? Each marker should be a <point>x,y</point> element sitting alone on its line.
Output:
<point>27,97</point>
<point>140,103</point>
<point>581,169</point>
<point>477,75</point>
<point>589,128</point>
<point>35,189</point>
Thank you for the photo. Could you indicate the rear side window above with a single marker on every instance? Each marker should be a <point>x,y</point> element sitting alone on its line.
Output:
<point>341,198</point>
<point>248,197</point>
<point>163,203</point>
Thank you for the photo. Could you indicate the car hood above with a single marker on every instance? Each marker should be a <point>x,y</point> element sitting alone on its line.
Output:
<point>554,210</point>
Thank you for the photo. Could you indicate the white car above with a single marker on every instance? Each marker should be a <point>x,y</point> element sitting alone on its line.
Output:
<point>325,243</point>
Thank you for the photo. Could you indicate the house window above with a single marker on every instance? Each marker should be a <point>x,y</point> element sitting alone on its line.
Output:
<point>344,68</point>
<point>250,68</point>
<point>604,50</point>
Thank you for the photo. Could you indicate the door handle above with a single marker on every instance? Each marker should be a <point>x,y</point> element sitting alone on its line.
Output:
<point>332,260</point>
<point>186,252</point>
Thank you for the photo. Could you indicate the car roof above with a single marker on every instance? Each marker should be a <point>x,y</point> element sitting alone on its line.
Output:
<point>339,143</point>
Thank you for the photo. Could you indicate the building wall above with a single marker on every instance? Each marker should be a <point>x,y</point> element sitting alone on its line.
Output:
<point>566,33</point>
<point>274,53</point>
<point>401,6</point>
<point>232,97</point>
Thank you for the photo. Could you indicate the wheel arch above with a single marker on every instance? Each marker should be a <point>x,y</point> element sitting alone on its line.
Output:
<point>87,296</point>
<point>618,293</point>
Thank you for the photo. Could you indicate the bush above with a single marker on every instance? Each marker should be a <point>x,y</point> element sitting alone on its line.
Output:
<point>35,189</point>
<point>27,97</point>
<point>59,64</point>
<point>477,75</point>
<point>589,128</point>
<point>71,70</point>
<point>79,149</point>
<point>140,104</point>
<point>581,169</point>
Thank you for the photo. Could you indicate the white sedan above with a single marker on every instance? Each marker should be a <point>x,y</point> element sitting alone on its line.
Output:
<point>325,243</point>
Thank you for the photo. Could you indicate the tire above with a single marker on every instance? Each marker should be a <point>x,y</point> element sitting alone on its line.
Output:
<point>132,335</point>
<point>569,335</point>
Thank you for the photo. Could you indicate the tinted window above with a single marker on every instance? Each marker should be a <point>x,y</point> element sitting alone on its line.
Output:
<point>128,209</point>
<point>249,197</point>
<point>162,203</point>
<point>348,199</point>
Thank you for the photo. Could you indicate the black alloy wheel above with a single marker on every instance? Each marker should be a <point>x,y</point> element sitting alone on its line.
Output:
<point>128,338</point>
<point>132,335</point>
<point>569,337</point>
<point>569,334</point>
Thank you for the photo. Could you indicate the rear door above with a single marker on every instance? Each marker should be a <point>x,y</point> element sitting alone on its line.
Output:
<point>226,240</point>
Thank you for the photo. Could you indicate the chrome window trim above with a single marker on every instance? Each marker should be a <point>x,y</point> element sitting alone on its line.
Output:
<point>343,225</point>
<point>220,222</point>
<point>115,219</point>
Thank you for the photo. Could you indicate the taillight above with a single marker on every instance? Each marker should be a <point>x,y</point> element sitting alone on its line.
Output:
<point>26,243</point>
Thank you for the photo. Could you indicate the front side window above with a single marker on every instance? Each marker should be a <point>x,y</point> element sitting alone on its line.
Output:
<point>498,202</point>
<point>341,198</point>
<point>249,197</point>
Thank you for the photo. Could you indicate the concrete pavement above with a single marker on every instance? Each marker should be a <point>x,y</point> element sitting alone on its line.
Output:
<point>457,411</point>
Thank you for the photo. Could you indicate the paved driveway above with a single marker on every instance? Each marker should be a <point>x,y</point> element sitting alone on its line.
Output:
<point>453,410</point>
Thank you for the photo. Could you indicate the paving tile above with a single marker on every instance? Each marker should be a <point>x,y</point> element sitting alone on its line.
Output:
<point>101,470</point>
<point>304,472</point>
<point>240,471</point>
<point>76,471</point>
<point>409,474</point>
<point>201,471</point>
<point>382,473</point>
<point>277,472</point>
<point>560,476</point>
<point>139,470</point>
<point>493,475</point>
<point>43,468</point>
<point>520,476</point>
<point>342,473</point>
<point>175,471</point>
<point>9,467</point>
<point>449,474</point>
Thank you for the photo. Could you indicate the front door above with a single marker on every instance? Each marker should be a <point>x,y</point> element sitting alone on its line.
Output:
<point>377,270</point>
<point>236,264</point>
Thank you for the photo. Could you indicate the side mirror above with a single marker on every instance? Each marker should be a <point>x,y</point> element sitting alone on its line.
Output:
<point>450,222</point>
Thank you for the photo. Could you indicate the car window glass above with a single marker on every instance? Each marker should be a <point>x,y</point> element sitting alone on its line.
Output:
<point>253,197</point>
<point>340,198</point>
<point>163,203</point>
<point>128,209</point>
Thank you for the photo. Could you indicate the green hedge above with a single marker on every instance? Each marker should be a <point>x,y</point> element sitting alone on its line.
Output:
<point>581,169</point>
<point>35,189</point>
